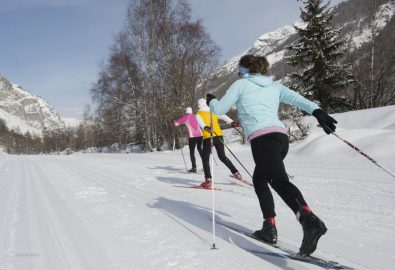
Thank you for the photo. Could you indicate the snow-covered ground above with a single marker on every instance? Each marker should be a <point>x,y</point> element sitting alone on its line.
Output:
<point>122,211</point>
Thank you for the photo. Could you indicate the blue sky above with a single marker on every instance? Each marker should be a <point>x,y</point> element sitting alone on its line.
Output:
<point>52,48</point>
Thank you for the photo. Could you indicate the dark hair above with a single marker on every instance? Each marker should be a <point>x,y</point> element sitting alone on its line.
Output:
<point>255,64</point>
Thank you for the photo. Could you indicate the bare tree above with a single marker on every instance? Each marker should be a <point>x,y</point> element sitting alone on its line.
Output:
<point>154,71</point>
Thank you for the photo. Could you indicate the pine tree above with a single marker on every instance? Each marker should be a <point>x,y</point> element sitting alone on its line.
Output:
<point>315,53</point>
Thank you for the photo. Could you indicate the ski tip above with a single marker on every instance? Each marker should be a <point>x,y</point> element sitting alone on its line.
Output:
<point>301,256</point>
<point>203,188</point>
<point>242,181</point>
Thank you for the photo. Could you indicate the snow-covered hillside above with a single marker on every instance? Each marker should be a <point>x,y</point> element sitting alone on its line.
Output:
<point>123,211</point>
<point>71,122</point>
<point>356,30</point>
<point>265,45</point>
<point>24,112</point>
<point>17,124</point>
<point>364,32</point>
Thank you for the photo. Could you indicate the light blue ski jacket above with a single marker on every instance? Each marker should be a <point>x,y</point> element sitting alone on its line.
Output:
<point>257,98</point>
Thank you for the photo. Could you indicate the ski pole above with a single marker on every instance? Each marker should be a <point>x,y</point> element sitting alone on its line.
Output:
<point>362,153</point>
<point>358,150</point>
<point>222,141</point>
<point>215,161</point>
<point>227,147</point>
<point>238,131</point>
<point>241,134</point>
<point>174,144</point>
<point>290,176</point>
<point>185,163</point>
<point>212,179</point>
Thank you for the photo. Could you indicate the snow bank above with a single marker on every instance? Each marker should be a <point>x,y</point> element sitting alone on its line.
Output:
<point>371,130</point>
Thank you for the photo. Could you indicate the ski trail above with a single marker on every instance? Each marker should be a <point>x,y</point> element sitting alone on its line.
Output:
<point>35,230</point>
<point>57,248</point>
<point>75,242</point>
<point>9,196</point>
<point>128,257</point>
<point>113,212</point>
<point>119,186</point>
<point>4,166</point>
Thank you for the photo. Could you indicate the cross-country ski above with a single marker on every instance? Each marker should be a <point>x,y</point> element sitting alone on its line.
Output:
<point>286,250</point>
<point>242,180</point>
<point>204,188</point>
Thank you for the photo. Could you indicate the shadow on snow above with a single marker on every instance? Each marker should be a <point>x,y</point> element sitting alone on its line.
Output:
<point>199,217</point>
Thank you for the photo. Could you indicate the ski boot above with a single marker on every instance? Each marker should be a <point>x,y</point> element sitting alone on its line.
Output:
<point>192,170</point>
<point>238,176</point>
<point>313,229</point>
<point>206,183</point>
<point>268,233</point>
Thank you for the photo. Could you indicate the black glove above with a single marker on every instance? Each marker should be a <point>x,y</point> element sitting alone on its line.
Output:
<point>235,124</point>
<point>326,121</point>
<point>207,128</point>
<point>209,97</point>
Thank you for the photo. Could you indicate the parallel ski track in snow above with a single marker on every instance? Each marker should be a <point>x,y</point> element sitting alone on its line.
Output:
<point>37,217</point>
<point>9,202</point>
<point>37,231</point>
<point>68,252</point>
<point>4,166</point>
<point>119,186</point>
<point>133,260</point>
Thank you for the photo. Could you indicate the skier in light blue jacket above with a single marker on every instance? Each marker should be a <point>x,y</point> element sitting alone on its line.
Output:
<point>257,98</point>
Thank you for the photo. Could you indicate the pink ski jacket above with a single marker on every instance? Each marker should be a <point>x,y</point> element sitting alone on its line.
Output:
<point>191,123</point>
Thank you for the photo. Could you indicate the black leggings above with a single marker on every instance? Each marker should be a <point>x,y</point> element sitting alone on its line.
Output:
<point>219,146</point>
<point>269,151</point>
<point>193,142</point>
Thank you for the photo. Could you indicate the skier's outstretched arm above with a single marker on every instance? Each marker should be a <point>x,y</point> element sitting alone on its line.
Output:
<point>221,107</point>
<point>181,120</point>
<point>291,97</point>
<point>225,118</point>
<point>326,121</point>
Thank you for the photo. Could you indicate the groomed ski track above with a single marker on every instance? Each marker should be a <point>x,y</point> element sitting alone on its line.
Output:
<point>121,212</point>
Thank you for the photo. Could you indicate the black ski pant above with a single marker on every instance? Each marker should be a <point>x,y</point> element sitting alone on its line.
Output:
<point>269,151</point>
<point>195,142</point>
<point>219,146</point>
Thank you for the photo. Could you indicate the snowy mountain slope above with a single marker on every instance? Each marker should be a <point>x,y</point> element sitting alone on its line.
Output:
<point>270,44</point>
<point>25,112</point>
<point>352,18</point>
<point>265,45</point>
<point>17,124</point>
<point>364,30</point>
<point>71,122</point>
<point>118,211</point>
